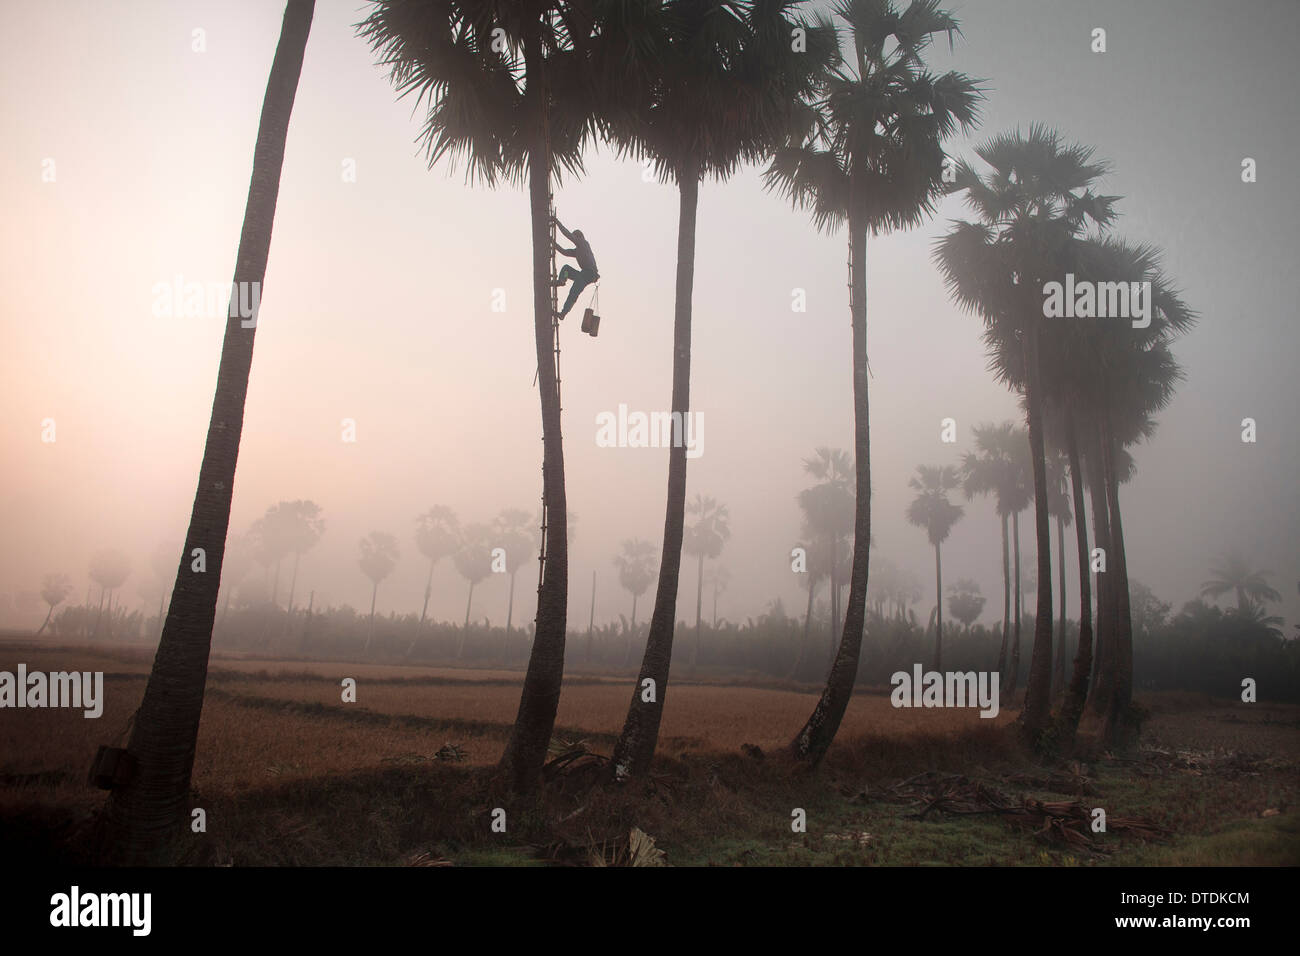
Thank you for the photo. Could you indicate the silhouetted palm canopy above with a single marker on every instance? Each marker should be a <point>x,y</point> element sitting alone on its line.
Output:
<point>636,565</point>
<point>877,122</point>
<point>1234,574</point>
<point>474,85</point>
<point>999,466</point>
<point>378,554</point>
<point>699,87</point>
<point>711,528</point>
<point>931,509</point>
<point>437,532</point>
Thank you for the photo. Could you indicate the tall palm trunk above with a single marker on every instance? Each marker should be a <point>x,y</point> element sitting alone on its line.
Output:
<point>1012,678</point>
<point>812,742</point>
<point>636,744</point>
<point>1072,708</point>
<point>699,604</point>
<point>293,581</point>
<point>591,620</point>
<point>275,585</point>
<point>146,812</point>
<point>1118,724</point>
<point>1102,669</point>
<point>428,590</point>
<point>99,617</point>
<point>525,752</point>
<point>370,627</point>
<point>627,640</point>
<point>938,621</point>
<point>1038,690</point>
<point>1006,600</point>
<point>468,602</point>
<point>45,622</point>
<point>1058,661</point>
<point>510,604</point>
<point>807,630</point>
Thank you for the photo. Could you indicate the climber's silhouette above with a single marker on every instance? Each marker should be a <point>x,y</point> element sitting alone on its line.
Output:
<point>582,277</point>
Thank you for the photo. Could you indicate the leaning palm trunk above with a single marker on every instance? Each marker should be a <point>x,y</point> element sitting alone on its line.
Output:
<point>636,744</point>
<point>145,813</point>
<point>815,738</point>
<point>1006,600</point>
<point>1102,672</point>
<point>293,581</point>
<point>521,763</point>
<point>1038,690</point>
<point>1072,708</point>
<point>1118,724</point>
<point>938,621</point>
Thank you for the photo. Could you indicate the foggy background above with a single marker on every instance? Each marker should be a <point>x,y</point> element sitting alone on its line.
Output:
<point>377,307</point>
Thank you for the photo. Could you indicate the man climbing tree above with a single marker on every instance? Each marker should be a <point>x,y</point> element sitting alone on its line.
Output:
<point>581,278</point>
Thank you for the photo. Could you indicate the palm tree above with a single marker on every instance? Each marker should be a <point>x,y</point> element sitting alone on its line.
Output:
<point>635,569</point>
<point>513,532</point>
<point>473,559</point>
<point>437,535</point>
<point>302,528</point>
<point>508,86</point>
<point>998,467</point>
<point>932,511</point>
<point>1036,198</point>
<point>55,589</point>
<point>1137,378</point>
<point>723,82</point>
<point>872,157</point>
<point>144,814</point>
<point>1234,574</point>
<point>109,569</point>
<point>828,509</point>
<point>377,558</point>
<point>719,578</point>
<point>965,601</point>
<point>705,538</point>
<point>1058,507</point>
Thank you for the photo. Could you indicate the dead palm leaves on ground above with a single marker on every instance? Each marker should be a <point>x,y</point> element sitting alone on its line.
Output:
<point>636,849</point>
<point>1220,763</point>
<point>1065,822</point>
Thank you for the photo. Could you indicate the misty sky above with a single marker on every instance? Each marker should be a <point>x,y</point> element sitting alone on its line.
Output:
<point>377,307</point>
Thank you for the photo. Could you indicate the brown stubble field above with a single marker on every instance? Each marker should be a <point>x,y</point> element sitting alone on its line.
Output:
<point>281,753</point>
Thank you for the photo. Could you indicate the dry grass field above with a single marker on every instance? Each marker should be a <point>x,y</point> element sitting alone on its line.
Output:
<point>290,774</point>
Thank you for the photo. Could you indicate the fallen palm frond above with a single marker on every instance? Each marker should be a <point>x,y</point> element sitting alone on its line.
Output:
<point>428,858</point>
<point>638,850</point>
